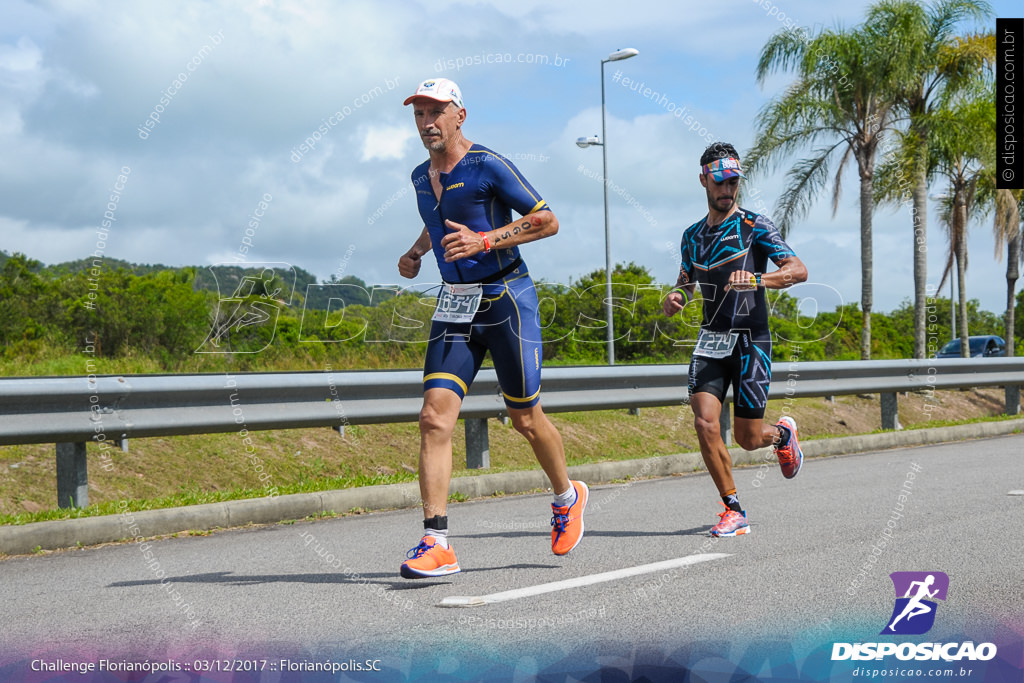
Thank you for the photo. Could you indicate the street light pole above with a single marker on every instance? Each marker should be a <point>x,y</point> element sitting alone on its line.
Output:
<point>607,238</point>
<point>624,53</point>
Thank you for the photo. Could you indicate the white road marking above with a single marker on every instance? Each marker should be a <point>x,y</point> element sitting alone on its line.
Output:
<point>540,589</point>
<point>1015,493</point>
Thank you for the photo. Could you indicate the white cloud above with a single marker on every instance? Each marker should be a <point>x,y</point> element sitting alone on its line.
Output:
<point>77,78</point>
<point>24,56</point>
<point>386,142</point>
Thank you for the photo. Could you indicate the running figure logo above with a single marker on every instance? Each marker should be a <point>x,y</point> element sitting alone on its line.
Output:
<point>246,321</point>
<point>914,613</point>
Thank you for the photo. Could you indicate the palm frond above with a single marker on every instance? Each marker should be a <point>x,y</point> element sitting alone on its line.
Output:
<point>806,180</point>
<point>894,175</point>
<point>836,184</point>
<point>784,50</point>
<point>946,14</point>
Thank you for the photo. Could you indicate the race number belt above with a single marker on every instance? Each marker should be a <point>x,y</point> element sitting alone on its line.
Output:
<point>494,277</point>
<point>715,344</point>
<point>458,303</point>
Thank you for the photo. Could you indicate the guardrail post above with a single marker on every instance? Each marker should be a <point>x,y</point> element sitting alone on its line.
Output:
<point>1013,399</point>
<point>725,422</point>
<point>478,449</point>
<point>890,411</point>
<point>72,477</point>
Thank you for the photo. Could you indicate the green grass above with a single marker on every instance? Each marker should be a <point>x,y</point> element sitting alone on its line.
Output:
<point>197,497</point>
<point>74,365</point>
<point>934,424</point>
<point>63,361</point>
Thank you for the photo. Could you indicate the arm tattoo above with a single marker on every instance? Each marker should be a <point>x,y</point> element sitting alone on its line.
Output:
<point>522,227</point>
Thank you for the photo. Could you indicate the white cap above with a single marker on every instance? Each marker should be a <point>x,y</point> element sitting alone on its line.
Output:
<point>440,89</point>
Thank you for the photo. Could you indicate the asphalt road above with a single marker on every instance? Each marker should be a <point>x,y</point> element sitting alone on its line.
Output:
<point>814,570</point>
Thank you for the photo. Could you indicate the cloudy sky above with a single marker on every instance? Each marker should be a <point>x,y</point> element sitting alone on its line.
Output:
<point>232,89</point>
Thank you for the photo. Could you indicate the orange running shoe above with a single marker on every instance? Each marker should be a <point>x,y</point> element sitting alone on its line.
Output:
<point>790,456</point>
<point>567,522</point>
<point>429,559</point>
<point>731,523</point>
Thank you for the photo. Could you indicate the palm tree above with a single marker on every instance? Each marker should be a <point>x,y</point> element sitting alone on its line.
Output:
<point>841,105</point>
<point>961,151</point>
<point>930,60</point>
<point>1008,207</point>
<point>1009,215</point>
<point>962,146</point>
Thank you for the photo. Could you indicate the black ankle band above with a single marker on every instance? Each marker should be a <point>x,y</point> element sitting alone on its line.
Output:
<point>436,522</point>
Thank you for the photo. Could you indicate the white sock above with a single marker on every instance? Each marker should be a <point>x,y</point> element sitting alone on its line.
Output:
<point>566,498</point>
<point>440,536</point>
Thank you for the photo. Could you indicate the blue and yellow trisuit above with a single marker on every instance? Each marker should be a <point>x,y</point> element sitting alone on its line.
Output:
<point>481,192</point>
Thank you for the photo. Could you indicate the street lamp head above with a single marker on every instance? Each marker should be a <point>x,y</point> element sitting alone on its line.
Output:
<point>583,143</point>
<point>624,53</point>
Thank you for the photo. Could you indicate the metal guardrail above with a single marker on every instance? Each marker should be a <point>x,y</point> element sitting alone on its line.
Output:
<point>71,411</point>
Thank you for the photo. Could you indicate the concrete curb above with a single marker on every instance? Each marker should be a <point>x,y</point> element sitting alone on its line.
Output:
<point>17,540</point>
